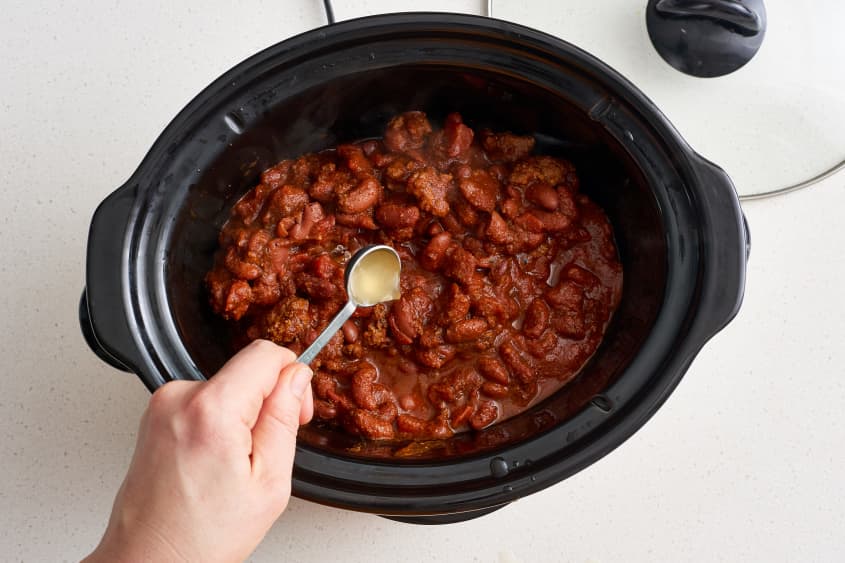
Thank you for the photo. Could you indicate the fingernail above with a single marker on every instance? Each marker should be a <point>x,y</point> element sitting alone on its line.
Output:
<point>300,380</point>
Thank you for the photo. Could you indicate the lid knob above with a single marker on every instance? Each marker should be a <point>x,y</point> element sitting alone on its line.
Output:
<point>706,38</point>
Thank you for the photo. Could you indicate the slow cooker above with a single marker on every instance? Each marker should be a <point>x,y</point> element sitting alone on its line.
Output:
<point>681,235</point>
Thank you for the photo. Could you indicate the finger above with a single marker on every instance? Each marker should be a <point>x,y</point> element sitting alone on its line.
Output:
<point>306,411</point>
<point>248,378</point>
<point>274,435</point>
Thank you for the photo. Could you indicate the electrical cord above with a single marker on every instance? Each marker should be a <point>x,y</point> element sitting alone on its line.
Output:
<point>746,197</point>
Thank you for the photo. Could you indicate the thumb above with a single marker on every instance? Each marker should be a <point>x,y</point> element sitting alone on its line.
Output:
<point>274,433</point>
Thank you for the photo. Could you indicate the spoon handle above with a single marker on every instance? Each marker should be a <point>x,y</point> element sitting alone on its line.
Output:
<point>342,316</point>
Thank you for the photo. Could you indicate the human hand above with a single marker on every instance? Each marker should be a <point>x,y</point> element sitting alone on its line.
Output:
<point>212,466</point>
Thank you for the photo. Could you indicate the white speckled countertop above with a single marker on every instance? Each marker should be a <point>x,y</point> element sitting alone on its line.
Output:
<point>743,463</point>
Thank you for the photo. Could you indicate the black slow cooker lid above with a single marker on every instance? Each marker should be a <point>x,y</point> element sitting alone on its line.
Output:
<point>131,304</point>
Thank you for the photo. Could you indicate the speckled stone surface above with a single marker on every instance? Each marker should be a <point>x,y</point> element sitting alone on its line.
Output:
<point>744,462</point>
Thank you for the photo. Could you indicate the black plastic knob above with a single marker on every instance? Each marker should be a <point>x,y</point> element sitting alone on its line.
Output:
<point>706,38</point>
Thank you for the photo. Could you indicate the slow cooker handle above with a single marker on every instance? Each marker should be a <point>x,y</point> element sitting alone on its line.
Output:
<point>725,257</point>
<point>91,338</point>
<point>102,314</point>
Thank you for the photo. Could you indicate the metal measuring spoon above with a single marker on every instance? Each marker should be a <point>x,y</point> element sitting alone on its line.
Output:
<point>372,277</point>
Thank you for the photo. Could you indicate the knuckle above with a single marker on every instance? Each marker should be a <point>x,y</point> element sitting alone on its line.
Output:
<point>166,397</point>
<point>204,416</point>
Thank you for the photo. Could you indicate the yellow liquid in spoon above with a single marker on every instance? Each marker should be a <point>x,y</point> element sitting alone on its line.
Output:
<point>375,278</point>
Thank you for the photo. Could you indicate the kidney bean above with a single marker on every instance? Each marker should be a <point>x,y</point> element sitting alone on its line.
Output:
<point>362,198</point>
<point>412,425</point>
<point>402,323</point>
<point>516,362</point>
<point>362,386</point>
<point>494,370</point>
<point>409,313</point>
<point>485,415</point>
<point>494,390</point>
<point>350,331</point>
<point>435,251</point>
<point>466,330</point>
<point>536,318</point>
